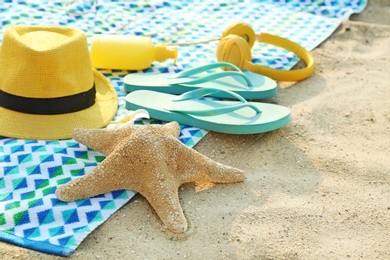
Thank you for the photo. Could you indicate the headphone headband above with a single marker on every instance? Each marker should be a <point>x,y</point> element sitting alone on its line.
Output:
<point>286,75</point>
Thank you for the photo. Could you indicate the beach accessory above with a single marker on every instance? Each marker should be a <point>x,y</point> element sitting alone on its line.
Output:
<point>247,84</point>
<point>127,52</point>
<point>233,117</point>
<point>238,39</point>
<point>48,85</point>
<point>235,46</point>
<point>150,160</point>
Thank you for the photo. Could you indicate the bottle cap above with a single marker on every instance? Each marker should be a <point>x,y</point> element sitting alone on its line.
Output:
<point>162,53</point>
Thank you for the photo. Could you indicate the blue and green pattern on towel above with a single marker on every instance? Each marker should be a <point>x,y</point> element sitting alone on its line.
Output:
<point>30,170</point>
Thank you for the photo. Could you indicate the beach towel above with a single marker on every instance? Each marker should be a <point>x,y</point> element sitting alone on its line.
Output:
<point>30,170</point>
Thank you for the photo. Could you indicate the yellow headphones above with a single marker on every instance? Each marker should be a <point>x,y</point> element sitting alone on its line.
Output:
<point>235,47</point>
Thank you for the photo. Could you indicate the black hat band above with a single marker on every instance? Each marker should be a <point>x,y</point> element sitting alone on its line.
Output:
<point>49,106</point>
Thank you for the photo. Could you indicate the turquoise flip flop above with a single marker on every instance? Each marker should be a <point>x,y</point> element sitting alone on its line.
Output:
<point>226,116</point>
<point>247,84</point>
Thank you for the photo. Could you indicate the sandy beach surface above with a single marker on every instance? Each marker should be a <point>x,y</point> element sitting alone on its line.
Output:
<point>318,188</point>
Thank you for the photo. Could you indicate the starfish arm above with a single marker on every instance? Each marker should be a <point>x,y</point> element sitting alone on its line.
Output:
<point>106,140</point>
<point>165,201</point>
<point>106,177</point>
<point>102,140</point>
<point>197,167</point>
<point>222,173</point>
<point>172,128</point>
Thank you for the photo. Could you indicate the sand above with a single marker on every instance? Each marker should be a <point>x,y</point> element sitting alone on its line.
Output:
<point>318,188</point>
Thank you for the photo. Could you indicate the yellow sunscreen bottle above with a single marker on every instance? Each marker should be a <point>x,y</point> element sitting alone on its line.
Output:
<point>127,52</point>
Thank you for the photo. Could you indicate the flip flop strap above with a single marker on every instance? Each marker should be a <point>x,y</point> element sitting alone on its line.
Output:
<point>199,93</point>
<point>210,77</point>
<point>200,69</point>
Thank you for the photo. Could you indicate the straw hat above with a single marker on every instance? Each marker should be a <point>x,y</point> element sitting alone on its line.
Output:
<point>48,85</point>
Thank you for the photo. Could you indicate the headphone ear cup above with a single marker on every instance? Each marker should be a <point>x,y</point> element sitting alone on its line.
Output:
<point>234,49</point>
<point>243,30</point>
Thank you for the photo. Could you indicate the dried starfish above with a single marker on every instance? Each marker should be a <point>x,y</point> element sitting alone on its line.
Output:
<point>150,160</point>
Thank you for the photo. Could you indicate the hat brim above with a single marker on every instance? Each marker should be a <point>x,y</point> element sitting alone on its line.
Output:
<point>53,127</point>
